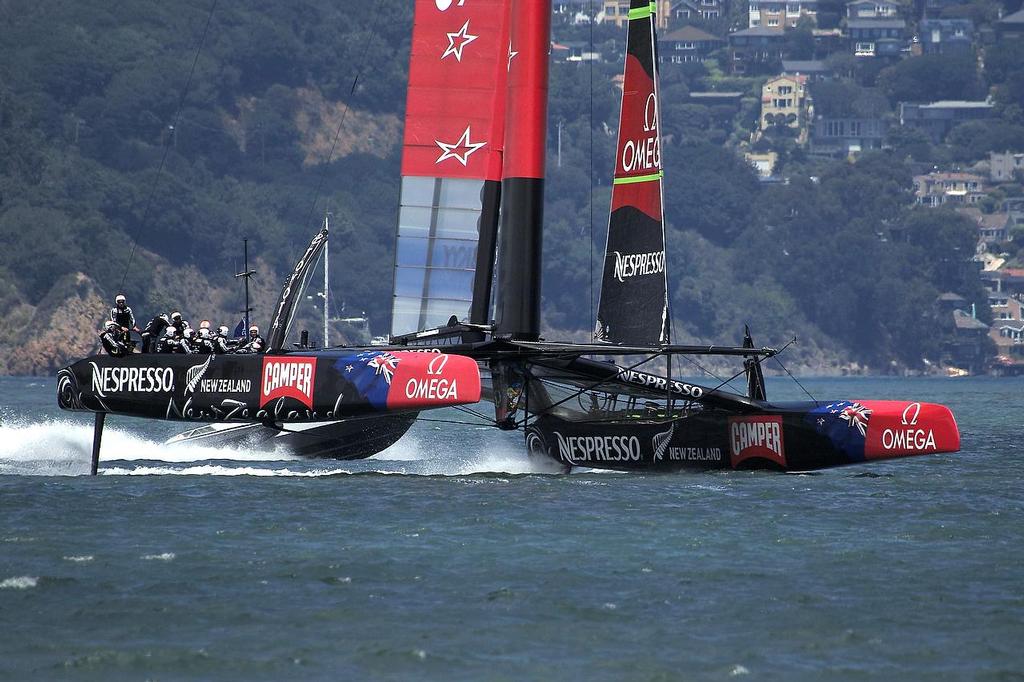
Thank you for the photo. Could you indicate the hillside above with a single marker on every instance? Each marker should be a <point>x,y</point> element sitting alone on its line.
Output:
<point>88,95</point>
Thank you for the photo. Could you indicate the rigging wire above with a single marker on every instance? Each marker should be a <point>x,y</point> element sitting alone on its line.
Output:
<point>593,320</point>
<point>167,146</point>
<point>786,370</point>
<point>337,135</point>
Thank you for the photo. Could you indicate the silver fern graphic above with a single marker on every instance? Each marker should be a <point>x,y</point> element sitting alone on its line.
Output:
<point>661,441</point>
<point>194,374</point>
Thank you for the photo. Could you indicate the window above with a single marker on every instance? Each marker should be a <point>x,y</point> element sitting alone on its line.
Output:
<point>793,8</point>
<point>785,89</point>
<point>773,22</point>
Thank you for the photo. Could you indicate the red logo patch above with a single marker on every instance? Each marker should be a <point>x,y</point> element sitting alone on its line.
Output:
<point>756,437</point>
<point>288,377</point>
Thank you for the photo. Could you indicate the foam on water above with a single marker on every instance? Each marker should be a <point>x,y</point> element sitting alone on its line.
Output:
<point>22,582</point>
<point>61,447</point>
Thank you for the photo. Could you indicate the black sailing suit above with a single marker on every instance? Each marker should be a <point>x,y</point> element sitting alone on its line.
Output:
<point>152,333</point>
<point>112,344</point>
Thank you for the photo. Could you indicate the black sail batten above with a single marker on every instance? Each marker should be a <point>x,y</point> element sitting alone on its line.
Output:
<point>633,306</point>
<point>291,293</point>
<point>483,277</point>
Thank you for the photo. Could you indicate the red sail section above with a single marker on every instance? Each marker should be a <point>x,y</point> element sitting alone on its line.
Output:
<point>638,156</point>
<point>528,52</point>
<point>455,110</point>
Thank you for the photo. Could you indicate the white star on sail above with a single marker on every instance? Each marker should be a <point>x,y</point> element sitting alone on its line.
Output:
<point>511,53</point>
<point>452,151</point>
<point>463,38</point>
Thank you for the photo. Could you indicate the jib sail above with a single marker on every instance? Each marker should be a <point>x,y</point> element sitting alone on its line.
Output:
<point>451,163</point>
<point>633,307</point>
<point>291,293</point>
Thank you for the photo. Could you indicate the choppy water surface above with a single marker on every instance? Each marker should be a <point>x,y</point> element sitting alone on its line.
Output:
<point>448,557</point>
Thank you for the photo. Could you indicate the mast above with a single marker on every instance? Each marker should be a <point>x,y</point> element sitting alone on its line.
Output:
<point>522,187</point>
<point>327,244</point>
<point>246,274</point>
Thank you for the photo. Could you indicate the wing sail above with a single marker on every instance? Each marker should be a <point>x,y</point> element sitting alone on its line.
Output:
<point>451,163</point>
<point>633,306</point>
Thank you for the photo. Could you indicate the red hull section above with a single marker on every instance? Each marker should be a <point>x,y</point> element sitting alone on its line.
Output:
<point>901,429</point>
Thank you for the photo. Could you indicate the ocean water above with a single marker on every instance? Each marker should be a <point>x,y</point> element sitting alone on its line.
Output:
<point>450,556</point>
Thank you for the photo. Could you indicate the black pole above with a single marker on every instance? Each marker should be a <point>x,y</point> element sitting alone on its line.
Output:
<point>245,247</point>
<point>97,436</point>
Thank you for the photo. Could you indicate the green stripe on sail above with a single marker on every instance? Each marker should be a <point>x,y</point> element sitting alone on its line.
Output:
<point>639,178</point>
<point>642,12</point>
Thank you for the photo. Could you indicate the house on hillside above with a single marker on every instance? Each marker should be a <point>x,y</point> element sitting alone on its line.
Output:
<point>574,51</point>
<point>834,136</point>
<point>686,10</point>
<point>1009,281</point>
<point>1011,27</point>
<point>872,9</point>
<point>1007,333</point>
<point>814,70</point>
<point>786,103</point>
<point>877,37</point>
<point>945,36</point>
<point>992,227</point>
<point>1005,167</point>
<point>617,12</point>
<point>938,118</point>
<point>780,13</point>
<point>753,48</point>
<point>574,11</point>
<point>938,189</point>
<point>688,44</point>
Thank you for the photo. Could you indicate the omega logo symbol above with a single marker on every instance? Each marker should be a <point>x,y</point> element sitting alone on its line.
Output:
<point>912,421</point>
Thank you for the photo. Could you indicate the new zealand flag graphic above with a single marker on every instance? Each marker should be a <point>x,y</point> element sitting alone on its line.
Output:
<point>845,423</point>
<point>371,373</point>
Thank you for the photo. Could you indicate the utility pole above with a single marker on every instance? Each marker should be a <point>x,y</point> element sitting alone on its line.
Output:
<point>560,122</point>
<point>246,274</point>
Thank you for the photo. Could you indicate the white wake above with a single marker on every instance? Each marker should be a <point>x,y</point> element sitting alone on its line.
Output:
<point>62,447</point>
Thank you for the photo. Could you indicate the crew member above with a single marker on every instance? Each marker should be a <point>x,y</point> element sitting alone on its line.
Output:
<point>122,315</point>
<point>110,338</point>
<point>221,342</point>
<point>188,340</point>
<point>204,340</point>
<point>169,343</point>
<point>153,331</point>
<point>254,343</point>
<point>180,324</point>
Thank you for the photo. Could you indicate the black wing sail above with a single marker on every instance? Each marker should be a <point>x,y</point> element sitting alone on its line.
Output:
<point>633,307</point>
<point>291,293</point>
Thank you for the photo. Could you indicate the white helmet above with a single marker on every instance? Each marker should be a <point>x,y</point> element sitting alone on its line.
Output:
<point>120,299</point>
<point>222,330</point>
<point>171,331</point>
<point>110,324</point>
<point>205,324</point>
<point>204,333</point>
<point>254,328</point>
<point>175,315</point>
<point>189,332</point>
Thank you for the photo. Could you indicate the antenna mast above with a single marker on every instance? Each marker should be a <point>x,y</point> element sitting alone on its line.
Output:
<point>327,245</point>
<point>246,274</point>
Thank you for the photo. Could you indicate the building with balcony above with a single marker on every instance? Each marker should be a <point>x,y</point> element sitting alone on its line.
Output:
<point>944,36</point>
<point>1005,167</point>
<point>877,37</point>
<point>780,13</point>
<point>937,189</point>
<point>755,49</point>
<point>786,103</point>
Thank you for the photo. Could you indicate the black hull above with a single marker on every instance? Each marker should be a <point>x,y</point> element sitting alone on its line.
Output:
<point>812,436</point>
<point>346,440</point>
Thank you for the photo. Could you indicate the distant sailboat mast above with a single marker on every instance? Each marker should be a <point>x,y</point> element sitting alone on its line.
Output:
<point>327,269</point>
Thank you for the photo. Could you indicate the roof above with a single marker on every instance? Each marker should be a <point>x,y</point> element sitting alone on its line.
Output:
<point>946,23</point>
<point>809,66</point>
<point>758,31</point>
<point>952,175</point>
<point>1015,18</point>
<point>717,94</point>
<point>964,321</point>
<point>990,221</point>
<point>876,23</point>
<point>691,34</point>
<point>950,296</point>
<point>957,104</point>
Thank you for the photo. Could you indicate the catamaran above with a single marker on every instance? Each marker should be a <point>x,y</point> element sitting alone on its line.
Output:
<point>467,295</point>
